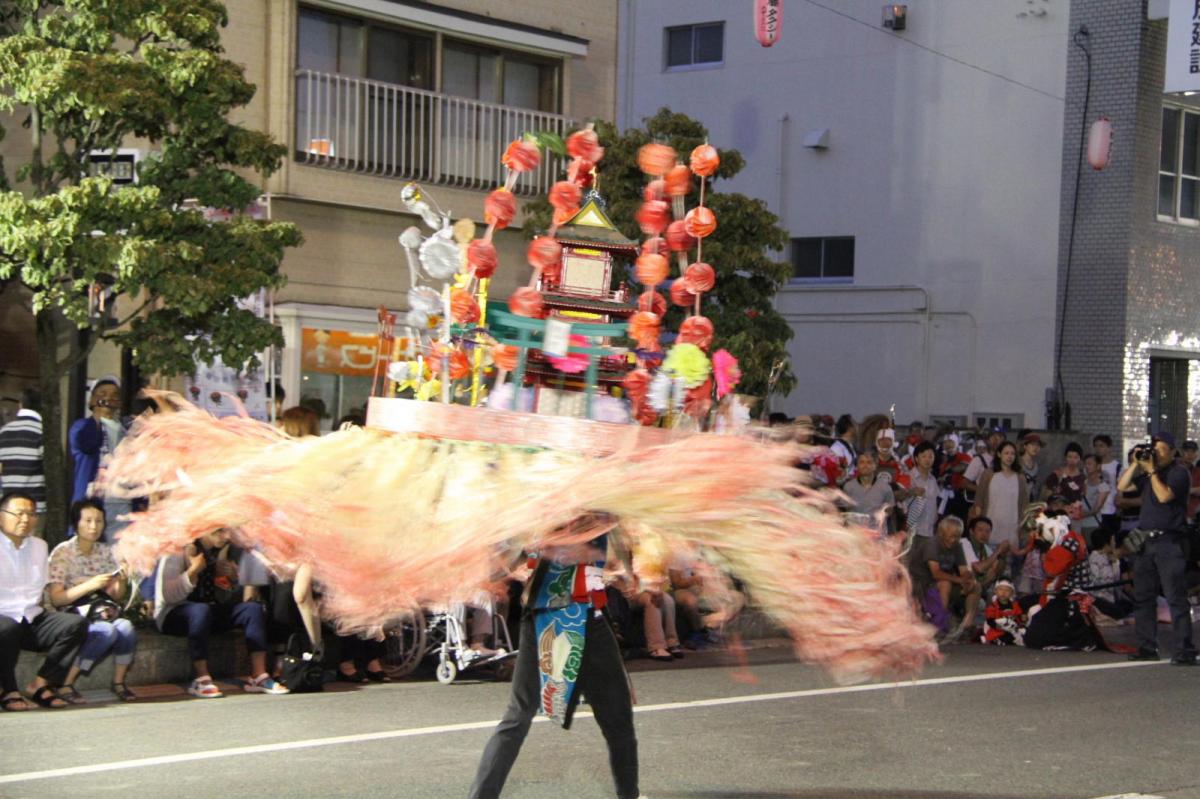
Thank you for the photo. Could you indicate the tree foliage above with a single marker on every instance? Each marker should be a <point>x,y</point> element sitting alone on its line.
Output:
<point>81,76</point>
<point>740,305</point>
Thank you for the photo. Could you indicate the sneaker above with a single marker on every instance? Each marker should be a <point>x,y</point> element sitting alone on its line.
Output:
<point>1144,654</point>
<point>264,684</point>
<point>204,689</point>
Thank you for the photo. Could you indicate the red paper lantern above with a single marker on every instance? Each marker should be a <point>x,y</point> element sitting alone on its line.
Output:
<point>768,18</point>
<point>565,195</point>
<point>699,277</point>
<point>585,144</point>
<point>526,301</point>
<point>679,181</point>
<point>653,302</point>
<point>678,239</point>
<point>697,330</point>
<point>655,190</point>
<point>463,307</point>
<point>651,269</point>
<point>505,356</point>
<point>521,156</point>
<point>705,160</point>
<point>644,328</point>
<point>653,216</point>
<point>1099,147</point>
<point>699,222</point>
<point>499,208</point>
<point>481,257</point>
<point>655,159</point>
<point>655,244</point>
<point>544,254</point>
<point>637,384</point>
<point>681,296</point>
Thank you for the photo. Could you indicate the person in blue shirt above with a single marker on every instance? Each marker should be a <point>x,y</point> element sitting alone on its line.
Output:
<point>91,439</point>
<point>1164,486</point>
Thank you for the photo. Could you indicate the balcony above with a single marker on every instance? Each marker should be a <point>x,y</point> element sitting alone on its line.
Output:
<point>387,130</point>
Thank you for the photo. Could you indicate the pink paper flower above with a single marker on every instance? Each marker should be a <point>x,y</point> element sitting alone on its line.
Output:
<point>725,368</point>
<point>573,362</point>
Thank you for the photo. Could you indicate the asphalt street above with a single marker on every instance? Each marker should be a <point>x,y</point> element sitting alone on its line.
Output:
<point>986,723</point>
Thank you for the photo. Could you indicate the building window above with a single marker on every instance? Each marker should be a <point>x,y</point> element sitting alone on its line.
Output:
<point>358,49</point>
<point>1168,407</point>
<point>496,76</point>
<point>1179,167</point>
<point>828,258</point>
<point>695,45</point>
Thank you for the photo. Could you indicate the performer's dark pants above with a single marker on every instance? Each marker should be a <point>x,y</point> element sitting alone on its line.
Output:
<point>601,678</point>
<point>1162,563</point>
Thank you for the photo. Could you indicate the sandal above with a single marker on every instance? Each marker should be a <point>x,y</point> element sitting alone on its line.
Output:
<point>123,693</point>
<point>46,697</point>
<point>71,695</point>
<point>7,702</point>
<point>661,655</point>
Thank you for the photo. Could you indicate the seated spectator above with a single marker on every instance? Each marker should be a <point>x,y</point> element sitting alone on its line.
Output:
<point>360,660</point>
<point>686,573</point>
<point>196,594</point>
<point>24,624</point>
<point>1005,617</point>
<point>871,492</point>
<point>941,576</point>
<point>988,563</point>
<point>1104,568</point>
<point>85,577</point>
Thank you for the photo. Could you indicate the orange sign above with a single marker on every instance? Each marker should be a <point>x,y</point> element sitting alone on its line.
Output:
<point>338,352</point>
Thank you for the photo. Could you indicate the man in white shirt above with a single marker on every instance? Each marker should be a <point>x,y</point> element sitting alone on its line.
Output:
<point>24,624</point>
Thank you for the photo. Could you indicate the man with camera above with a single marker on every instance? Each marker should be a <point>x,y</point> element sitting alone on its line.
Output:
<point>1159,545</point>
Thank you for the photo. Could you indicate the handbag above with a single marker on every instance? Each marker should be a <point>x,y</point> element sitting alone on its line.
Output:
<point>302,672</point>
<point>97,606</point>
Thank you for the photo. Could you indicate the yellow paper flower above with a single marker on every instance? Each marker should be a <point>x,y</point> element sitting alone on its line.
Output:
<point>429,390</point>
<point>689,362</point>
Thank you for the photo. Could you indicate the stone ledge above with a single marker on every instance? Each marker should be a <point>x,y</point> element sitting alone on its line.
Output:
<point>159,659</point>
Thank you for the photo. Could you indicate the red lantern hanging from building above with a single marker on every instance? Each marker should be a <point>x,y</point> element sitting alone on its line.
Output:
<point>1099,147</point>
<point>768,14</point>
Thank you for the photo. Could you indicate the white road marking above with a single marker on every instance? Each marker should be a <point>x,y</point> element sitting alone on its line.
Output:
<point>1130,796</point>
<point>189,757</point>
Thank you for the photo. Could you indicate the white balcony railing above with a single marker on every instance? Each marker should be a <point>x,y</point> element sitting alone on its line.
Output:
<point>396,131</point>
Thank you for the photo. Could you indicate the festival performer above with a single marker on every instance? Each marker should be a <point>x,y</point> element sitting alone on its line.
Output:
<point>567,648</point>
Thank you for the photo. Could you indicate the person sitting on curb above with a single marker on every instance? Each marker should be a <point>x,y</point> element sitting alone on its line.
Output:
<point>197,594</point>
<point>24,623</point>
<point>85,577</point>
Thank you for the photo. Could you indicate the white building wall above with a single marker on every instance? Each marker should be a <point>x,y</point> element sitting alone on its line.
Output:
<point>944,163</point>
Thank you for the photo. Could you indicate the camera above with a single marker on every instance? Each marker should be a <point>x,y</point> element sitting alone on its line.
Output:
<point>1143,452</point>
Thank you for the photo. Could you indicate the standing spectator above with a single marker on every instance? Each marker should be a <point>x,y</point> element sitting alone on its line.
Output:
<point>1164,486</point>
<point>1002,497</point>
<point>871,491</point>
<point>92,439</point>
<point>1190,452</point>
<point>843,447</point>
<point>1067,481</point>
<point>951,475</point>
<point>922,504</point>
<point>1110,516</point>
<point>1031,448</point>
<point>24,623</point>
<point>983,460</point>
<point>196,594</point>
<point>1096,491</point>
<point>21,466</point>
<point>83,571</point>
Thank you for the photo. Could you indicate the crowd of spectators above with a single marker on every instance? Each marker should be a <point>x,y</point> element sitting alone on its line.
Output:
<point>962,504</point>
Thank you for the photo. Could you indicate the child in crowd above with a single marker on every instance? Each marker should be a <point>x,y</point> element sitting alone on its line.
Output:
<point>1005,617</point>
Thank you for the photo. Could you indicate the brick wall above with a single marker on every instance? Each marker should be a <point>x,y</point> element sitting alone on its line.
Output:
<point>1132,285</point>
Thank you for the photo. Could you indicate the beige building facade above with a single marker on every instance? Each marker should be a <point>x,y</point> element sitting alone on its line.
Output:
<point>369,95</point>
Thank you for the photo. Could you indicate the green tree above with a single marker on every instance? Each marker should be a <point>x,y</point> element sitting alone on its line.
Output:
<point>81,76</point>
<point>740,305</point>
